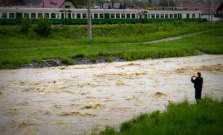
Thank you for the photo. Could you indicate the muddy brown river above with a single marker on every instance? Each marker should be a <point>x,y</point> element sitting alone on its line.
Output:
<point>77,99</point>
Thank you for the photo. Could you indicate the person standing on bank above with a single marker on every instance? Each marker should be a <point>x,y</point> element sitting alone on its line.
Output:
<point>198,84</point>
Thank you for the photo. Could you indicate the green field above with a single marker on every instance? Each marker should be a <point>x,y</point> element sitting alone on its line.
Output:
<point>203,118</point>
<point>66,42</point>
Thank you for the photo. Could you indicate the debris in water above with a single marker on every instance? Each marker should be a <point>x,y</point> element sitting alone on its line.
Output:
<point>96,105</point>
<point>75,113</point>
<point>69,91</point>
<point>63,122</point>
<point>159,94</point>
<point>21,82</point>
<point>85,92</point>
<point>57,106</point>
<point>62,87</point>
<point>131,98</point>
<point>70,113</point>
<point>48,112</point>
<point>129,64</point>
<point>118,82</point>
<point>22,124</point>
<point>217,67</point>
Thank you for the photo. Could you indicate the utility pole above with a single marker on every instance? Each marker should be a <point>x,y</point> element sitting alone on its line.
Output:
<point>209,10</point>
<point>89,19</point>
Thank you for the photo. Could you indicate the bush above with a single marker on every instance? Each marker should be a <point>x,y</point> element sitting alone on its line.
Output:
<point>110,60</point>
<point>203,118</point>
<point>26,25</point>
<point>70,62</point>
<point>179,22</point>
<point>93,59</point>
<point>43,27</point>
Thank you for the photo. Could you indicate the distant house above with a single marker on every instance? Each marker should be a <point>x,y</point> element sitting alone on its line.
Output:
<point>210,11</point>
<point>48,4</point>
<point>109,5</point>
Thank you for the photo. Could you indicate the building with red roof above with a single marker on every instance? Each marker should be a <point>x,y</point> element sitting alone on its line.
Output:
<point>48,4</point>
<point>210,11</point>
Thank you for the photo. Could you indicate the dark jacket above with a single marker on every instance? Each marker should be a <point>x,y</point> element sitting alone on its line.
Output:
<point>198,82</point>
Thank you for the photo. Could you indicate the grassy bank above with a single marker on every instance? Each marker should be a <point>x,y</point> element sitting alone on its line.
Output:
<point>66,42</point>
<point>204,118</point>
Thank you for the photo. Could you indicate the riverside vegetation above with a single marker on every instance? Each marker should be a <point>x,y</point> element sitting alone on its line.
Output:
<point>125,40</point>
<point>183,118</point>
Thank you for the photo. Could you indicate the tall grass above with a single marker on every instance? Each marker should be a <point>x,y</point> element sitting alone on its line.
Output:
<point>183,118</point>
<point>17,48</point>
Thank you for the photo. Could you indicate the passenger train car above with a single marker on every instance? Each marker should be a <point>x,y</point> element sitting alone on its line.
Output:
<point>99,16</point>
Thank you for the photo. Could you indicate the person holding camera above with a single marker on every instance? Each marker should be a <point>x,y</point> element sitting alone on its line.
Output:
<point>198,84</point>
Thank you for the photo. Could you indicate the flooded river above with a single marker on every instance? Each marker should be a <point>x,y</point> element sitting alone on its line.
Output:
<point>76,99</point>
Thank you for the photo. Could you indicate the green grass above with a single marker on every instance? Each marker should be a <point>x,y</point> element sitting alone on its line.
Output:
<point>66,42</point>
<point>204,118</point>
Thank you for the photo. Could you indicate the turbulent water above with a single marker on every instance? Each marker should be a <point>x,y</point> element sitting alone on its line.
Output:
<point>76,99</point>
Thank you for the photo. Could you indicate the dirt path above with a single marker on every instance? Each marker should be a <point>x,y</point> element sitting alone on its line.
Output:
<point>175,38</point>
<point>74,99</point>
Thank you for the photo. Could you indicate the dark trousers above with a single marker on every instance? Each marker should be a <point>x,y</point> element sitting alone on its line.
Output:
<point>198,93</point>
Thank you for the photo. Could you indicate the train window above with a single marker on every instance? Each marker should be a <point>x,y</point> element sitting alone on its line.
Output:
<point>95,15</point>
<point>128,15</point>
<point>73,15</point>
<point>157,16</point>
<point>101,15</point>
<point>33,15</point>
<point>11,15</point>
<point>148,15</point>
<point>162,15</point>
<point>117,15</point>
<point>53,15</point>
<point>166,15</point>
<point>171,15</point>
<point>58,15</point>
<point>26,15</point>
<point>133,16</point>
<point>46,15</point>
<point>175,15</point>
<point>153,15</point>
<point>4,15</point>
<point>123,15</point>
<point>112,15</point>
<point>84,15</point>
<point>78,15</point>
<point>193,15</point>
<point>188,15</point>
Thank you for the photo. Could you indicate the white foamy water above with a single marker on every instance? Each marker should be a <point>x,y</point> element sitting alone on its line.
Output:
<point>71,100</point>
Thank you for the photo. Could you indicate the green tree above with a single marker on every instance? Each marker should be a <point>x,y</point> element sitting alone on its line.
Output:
<point>43,26</point>
<point>163,3</point>
<point>80,2</point>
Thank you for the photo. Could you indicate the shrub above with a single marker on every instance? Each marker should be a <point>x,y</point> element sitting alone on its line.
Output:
<point>26,25</point>
<point>70,62</point>
<point>179,22</point>
<point>43,26</point>
<point>93,59</point>
<point>110,60</point>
